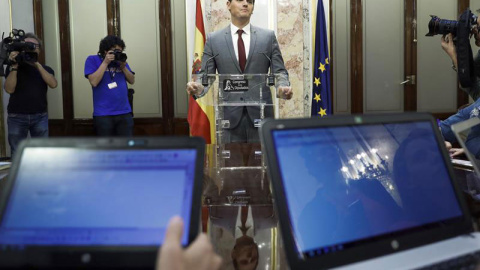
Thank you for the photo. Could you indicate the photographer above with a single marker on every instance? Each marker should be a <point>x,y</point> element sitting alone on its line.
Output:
<point>108,73</point>
<point>449,47</point>
<point>27,82</point>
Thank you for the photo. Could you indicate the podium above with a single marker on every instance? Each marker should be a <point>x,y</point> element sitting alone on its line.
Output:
<point>237,168</point>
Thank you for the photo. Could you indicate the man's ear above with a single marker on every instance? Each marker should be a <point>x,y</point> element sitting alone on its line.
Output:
<point>228,5</point>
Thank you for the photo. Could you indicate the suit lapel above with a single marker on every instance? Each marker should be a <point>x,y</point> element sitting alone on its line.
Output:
<point>229,41</point>
<point>253,42</point>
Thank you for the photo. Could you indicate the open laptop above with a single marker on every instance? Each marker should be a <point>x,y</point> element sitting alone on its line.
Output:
<point>95,202</point>
<point>468,136</point>
<point>366,192</point>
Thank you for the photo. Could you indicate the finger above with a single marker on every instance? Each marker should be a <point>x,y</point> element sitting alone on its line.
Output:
<point>174,232</point>
<point>216,262</point>
<point>170,254</point>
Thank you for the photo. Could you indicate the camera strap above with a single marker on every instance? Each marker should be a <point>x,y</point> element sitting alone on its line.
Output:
<point>112,72</point>
<point>465,64</point>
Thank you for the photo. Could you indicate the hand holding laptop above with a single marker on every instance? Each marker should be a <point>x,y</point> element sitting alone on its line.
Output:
<point>199,255</point>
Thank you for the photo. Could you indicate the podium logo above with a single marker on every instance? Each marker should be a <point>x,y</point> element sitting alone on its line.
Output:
<point>231,85</point>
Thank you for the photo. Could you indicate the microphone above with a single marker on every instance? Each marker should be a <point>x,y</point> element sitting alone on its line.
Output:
<point>205,75</point>
<point>270,77</point>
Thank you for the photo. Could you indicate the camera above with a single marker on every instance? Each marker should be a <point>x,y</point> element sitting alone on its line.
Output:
<point>119,56</point>
<point>438,26</point>
<point>462,31</point>
<point>15,41</point>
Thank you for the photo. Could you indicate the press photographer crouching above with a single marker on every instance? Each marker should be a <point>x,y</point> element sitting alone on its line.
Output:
<point>27,82</point>
<point>108,72</point>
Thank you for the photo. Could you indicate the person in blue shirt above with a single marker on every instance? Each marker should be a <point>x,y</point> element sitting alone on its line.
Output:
<point>473,139</point>
<point>108,76</point>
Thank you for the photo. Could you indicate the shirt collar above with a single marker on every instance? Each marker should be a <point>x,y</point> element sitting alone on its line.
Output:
<point>246,29</point>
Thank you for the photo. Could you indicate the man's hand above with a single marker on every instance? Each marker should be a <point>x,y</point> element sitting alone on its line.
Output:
<point>194,88</point>
<point>109,57</point>
<point>123,65</point>
<point>199,255</point>
<point>449,47</point>
<point>12,57</point>
<point>455,152</point>
<point>448,145</point>
<point>285,92</point>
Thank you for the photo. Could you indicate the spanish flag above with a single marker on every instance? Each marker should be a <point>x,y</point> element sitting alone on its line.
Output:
<point>201,114</point>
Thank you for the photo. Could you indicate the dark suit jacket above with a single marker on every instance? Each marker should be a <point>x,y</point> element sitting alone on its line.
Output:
<point>220,45</point>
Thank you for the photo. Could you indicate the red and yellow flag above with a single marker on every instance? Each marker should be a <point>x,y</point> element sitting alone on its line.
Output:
<point>201,114</point>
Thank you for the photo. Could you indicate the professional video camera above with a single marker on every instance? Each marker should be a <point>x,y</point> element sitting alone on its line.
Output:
<point>16,42</point>
<point>120,56</point>
<point>462,30</point>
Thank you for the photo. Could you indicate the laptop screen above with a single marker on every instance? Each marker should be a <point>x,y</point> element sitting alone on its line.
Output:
<point>346,185</point>
<point>100,197</point>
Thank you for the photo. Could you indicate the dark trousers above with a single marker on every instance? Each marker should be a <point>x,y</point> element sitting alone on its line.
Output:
<point>244,132</point>
<point>19,125</point>
<point>114,125</point>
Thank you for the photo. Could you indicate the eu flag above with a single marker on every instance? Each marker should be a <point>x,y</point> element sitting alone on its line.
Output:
<point>321,96</point>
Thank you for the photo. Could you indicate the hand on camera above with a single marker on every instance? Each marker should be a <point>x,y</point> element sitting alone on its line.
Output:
<point>12,57</point>
<point>285,92</point>
<point>123,65</point>
<point>194,88</point>
<point>448,46</point>
<point>109,57</point>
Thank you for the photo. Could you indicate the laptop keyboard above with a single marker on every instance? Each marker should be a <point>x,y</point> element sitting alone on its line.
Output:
<point>467,262</point>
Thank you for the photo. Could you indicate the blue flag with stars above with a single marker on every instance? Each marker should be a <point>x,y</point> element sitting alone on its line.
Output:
<point>321,96</point>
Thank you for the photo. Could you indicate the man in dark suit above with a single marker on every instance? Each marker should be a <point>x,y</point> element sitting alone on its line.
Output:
<point>242,48</point>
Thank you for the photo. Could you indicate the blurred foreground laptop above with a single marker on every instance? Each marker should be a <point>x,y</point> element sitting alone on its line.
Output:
<point>98,202</point>
<point>367,192</point>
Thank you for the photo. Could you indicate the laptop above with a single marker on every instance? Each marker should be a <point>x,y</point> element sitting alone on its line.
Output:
<point>468,136</point>
<point>98,202</point>
<point>366,192</point>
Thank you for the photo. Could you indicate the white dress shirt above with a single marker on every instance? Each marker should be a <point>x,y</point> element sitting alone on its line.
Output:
<point>245,36</point>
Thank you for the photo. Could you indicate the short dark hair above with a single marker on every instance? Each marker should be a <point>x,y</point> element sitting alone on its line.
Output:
<point>32,35</point>
<point>252,0</point>
<point>108,42</point>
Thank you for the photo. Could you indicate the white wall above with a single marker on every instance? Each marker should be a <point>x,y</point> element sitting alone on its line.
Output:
<point>52,56</point>
<point>140,25</point>
<point>88,25</point>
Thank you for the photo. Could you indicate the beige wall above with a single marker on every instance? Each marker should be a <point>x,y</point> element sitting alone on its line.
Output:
<point>88,25</point>
<point>139,24</point>
<point>52,56</point>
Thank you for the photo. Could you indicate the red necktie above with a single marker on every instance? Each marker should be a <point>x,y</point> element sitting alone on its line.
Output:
<point>244,215</point>
<point>242,58</point>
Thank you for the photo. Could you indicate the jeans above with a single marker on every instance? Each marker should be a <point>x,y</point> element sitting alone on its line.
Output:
<point>20,124</point>
<point>114,125</point>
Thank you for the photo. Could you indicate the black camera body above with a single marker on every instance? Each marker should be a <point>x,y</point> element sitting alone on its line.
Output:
<point>461,30</point>
<point>120,56</point>
<point>15,42</point>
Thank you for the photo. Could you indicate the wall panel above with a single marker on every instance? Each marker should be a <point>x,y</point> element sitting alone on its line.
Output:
<point>88,25</point>
<point>140,31</point>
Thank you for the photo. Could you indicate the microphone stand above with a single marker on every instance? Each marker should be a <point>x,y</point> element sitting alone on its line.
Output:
<point>270,76</point>
<point>205,75</point>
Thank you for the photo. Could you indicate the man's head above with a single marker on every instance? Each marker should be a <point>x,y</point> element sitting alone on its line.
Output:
<point>32,38</point>
<point>245,254</point>
<point>110,43</point>
<point>240,10</point>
